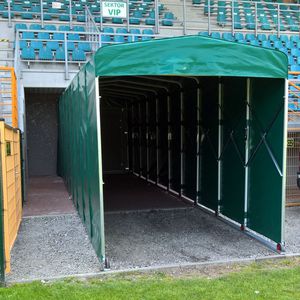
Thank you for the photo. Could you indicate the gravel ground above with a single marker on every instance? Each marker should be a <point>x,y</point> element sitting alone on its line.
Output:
<point>52,246</point>
<point>292,229</point>
<point>175,236</point>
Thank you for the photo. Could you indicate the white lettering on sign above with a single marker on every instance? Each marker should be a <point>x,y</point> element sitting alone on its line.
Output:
<point>113,9</point>
<point>56,5</point>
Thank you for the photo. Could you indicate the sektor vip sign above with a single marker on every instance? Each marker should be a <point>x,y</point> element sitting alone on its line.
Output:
<point>114,9</point>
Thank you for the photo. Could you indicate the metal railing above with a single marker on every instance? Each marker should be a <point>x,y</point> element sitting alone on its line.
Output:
<point>189,17</point>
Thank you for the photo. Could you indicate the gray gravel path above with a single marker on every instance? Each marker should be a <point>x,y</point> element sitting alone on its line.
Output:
<point>52,246</point>
<point>175,236</point>
<point>292,229</point>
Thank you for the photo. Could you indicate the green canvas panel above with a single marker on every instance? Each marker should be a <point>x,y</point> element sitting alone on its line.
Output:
<point>233,148</point>
<point>265,183</point>
<point>190,142</point>
<point>175,142</point>
<point>78,126</point>
<point>163,140</point>
<point>208,165</point>
<point>190,56</point>
<point>135,138</point>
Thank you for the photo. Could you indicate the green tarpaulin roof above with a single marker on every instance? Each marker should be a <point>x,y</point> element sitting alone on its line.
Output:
<point>190,56</point>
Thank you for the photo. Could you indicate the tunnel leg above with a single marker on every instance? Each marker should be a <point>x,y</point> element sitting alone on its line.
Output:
<point>220,129</point>
<point>181,144</point>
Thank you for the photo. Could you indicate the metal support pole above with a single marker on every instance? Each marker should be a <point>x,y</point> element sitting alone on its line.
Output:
<point>9,12</point>
<point>198,147</point>
<point>42,13</point>
<point>184,17</point>
<point>181,144</point>
<point>278,19</point>
<point>100,173</point>
<point>140,138</point>
<point>156,4</point>
<point>101,15</point>
<point>169,141</point>
<point>247,145</point>
<point>256,17</point>
<point>66,57</point>
<point>220,133</point>
<point>147,140</point>
<point>284,160</point>
<point>157,140</point>
<point>133,138</point>
<point>232,17</point>
<point>208,12</point>
<point>70,13</point>
<point>127,15</point>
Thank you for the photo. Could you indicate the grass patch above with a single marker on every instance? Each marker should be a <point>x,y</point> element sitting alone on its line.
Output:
<point>266,280</point>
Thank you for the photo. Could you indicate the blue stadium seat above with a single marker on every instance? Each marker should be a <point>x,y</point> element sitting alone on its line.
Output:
<point>148,32</point>
<point>37,45</point>
<point>273,38</point>
<point>136,17</point>
<point>122,30</point>
<point>80,18</point>
<point>43,35</point>
<point>60,54</point>
<point>5,15</point>
<point>70,46</point>
<point>35,27</point>
<point>26,15</point>
<point>295,38</point>
<point>291,60</point>
<point>266,44</point>
<point>64,28</point>
<point>52,45</point>
<point>108,30</point>
<point>135,31</point>
<point>22,44</point>
<point>45,54</point>
<point>28,35</point>
<point>239,36</point>
<point>117,20</point>
<point>28,53</point>
<point>20,26</point>
<point>50,27</point>
<point>73,36</point>
<point>216,35</point>
<point>284,50</point>
<point>295,68</point>
<point>151,19</point>
<point>228,36</point>
<point>63,17</point>
<point>105,39</point>
<point>284,38</point>
<point>250,36</point>
<point>262,37</point>
<point>79,28</point>
<point>278,44</point>
<point>119,39</point>
<point>84,46</point>
<point>254,43</point>
<point>78,55</point>
<point>295,52</point>
<point>203,33</point>
<point>168,19</point>
<point>58,36</point>
<point>242,41</point>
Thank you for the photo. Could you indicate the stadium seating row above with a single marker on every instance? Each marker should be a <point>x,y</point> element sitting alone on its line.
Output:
<point>289,45</point>
<point>139,12</point>
<point>245,14</point>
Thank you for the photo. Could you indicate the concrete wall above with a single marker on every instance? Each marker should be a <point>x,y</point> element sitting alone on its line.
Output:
<point>41,132</point>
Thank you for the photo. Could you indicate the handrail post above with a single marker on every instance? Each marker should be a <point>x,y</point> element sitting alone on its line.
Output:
<point>66,57</point>
<point>42,13</point>
<point>208,12</point>
<point>256,17</point>
<point>184,17</point>
<point>100,40</point>
<point>70,13</point>
<point>127,14</point>
<point>278,19</point>
<point>232,17</point>
<point>156,16</point>
<point>9,12</point>
<point>101,15</point>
